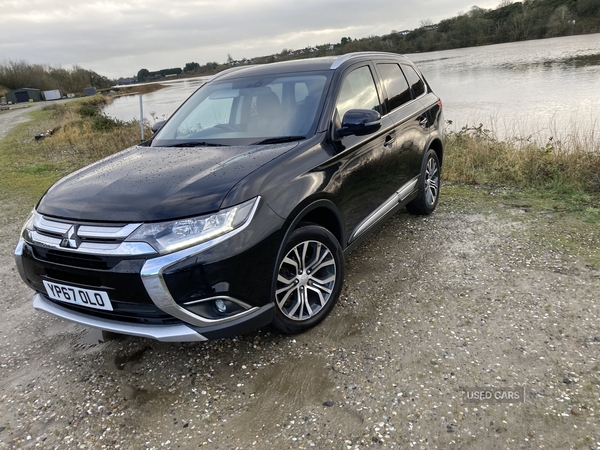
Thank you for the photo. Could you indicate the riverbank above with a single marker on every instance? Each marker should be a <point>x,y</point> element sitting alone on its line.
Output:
<point>83,135</point>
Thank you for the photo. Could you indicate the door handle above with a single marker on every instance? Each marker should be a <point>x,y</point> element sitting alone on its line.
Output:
<point>423,122</point>
<point>389,140</point>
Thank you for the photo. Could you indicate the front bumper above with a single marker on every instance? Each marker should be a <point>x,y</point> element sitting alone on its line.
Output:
<point>166,333</point>
<point>159,297</point>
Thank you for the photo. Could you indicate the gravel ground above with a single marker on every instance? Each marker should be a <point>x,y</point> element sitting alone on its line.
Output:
<point>481,294</point>
<point>17,114</point>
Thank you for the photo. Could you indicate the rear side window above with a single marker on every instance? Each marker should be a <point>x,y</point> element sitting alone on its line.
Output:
<point>358,92</point>
<point>395,85</point>
<point>414,80</point>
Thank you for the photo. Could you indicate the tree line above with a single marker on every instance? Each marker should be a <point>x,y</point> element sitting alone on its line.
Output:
<point>22,74</point>
<point>509,22</point>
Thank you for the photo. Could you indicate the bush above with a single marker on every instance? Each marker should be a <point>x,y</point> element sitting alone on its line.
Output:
<point>474,156</point>
<point>102,122</point>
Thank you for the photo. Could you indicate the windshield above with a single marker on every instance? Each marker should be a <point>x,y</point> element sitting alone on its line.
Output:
<point>251,110</point>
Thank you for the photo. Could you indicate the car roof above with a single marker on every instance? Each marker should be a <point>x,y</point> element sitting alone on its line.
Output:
<point>303,65</point>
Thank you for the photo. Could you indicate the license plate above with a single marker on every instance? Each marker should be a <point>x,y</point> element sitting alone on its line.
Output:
<point>78,296</point>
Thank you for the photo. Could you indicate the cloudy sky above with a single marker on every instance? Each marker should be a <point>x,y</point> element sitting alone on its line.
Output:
<point>117,38</point>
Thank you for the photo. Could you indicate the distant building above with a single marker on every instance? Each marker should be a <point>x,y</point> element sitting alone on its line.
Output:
<point>54,94</point>
<point>24,95</point>
<point>90,90</point>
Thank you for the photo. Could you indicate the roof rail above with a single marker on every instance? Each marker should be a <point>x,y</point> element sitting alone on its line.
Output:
<point>226,71</point>
<point>343,58</point>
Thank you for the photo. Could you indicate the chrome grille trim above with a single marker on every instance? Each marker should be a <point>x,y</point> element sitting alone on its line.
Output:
<point>96,239</point>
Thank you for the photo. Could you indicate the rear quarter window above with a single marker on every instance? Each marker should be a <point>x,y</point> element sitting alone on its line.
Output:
<point>414,80</point>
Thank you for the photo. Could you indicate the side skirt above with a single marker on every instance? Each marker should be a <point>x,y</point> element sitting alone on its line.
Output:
<point>402,196</point>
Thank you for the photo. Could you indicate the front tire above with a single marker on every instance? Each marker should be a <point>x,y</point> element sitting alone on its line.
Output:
<point>308,280</point>
<point>429,186</point>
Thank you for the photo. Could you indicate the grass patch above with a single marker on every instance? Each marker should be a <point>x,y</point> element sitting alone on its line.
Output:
<point>39,168</point>
<point>83,135</point>
<point>566,171</point>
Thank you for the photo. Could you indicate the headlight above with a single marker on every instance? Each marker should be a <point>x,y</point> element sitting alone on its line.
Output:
<point>28,226</point>
<point>167,237</point>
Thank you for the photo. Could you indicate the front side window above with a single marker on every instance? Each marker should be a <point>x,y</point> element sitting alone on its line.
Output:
<point>358,91</point>
<point>247,110</point>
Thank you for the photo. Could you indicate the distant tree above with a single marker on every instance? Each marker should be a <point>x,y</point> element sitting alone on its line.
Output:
<point>191,67</point>
<point>143,75</point>
<point>560,22</point>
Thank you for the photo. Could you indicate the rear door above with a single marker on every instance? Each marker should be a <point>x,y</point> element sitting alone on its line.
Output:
<point>403,88</point>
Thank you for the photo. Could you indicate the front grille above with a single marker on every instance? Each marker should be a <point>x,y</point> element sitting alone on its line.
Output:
<point>122,281</point>
<point>75,259</point>
<point>83,238</point>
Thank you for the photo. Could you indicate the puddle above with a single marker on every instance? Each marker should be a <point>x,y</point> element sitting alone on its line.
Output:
<point>292,391</point>
<point>121,361</point>
<point>92,337</point>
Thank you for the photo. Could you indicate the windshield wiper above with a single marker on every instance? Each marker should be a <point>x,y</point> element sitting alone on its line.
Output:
<point>279,140</point>
<point>198,144</point>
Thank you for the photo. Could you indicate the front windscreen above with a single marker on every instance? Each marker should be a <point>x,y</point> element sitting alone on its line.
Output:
<point>248,110</point>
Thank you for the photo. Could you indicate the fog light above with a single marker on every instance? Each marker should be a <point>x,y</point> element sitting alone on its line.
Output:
<point>221,306</point>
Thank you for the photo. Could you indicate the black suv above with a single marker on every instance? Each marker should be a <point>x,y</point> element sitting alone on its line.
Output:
<point>240,209</point>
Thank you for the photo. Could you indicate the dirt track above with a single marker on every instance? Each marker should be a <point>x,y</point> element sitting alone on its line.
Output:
<point>480,294</point>
<point>8,119</point>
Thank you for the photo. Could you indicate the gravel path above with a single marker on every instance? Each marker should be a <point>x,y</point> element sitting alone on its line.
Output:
<point>8,119</point>
<point>481,294</point>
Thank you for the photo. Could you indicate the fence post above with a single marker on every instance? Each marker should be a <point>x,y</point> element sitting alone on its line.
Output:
<point>141,118</point>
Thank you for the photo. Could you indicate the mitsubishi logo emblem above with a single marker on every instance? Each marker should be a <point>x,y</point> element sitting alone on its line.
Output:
<point>70,238</point>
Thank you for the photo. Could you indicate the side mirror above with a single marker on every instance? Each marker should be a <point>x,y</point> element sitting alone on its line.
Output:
<point>359,122</point>
<point>157,126</point>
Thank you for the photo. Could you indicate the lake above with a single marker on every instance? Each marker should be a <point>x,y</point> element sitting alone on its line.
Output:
<point>544,88</point>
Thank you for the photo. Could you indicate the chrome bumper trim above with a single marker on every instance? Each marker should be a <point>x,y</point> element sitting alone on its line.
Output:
<point>19,259</point>
<point>165,333</point>
<point>154,282</point>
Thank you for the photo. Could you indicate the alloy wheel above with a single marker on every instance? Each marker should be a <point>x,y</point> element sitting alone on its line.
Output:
<point>432,181</point>
<point>305,280</point>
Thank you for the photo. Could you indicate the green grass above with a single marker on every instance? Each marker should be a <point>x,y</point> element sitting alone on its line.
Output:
<point>566,174</point>
<point>28,167</point>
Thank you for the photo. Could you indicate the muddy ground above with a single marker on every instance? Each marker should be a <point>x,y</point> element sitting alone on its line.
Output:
<point>485,293</point>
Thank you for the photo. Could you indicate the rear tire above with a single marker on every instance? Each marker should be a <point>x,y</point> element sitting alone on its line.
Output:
<point>309,279</point>
<point>429,186</point>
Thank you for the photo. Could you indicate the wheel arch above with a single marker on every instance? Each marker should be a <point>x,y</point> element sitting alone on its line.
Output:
<point>437,146</point>
<point>322,212</point>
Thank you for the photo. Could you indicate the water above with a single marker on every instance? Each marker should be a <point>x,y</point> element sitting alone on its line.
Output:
<point>543,87</point>
<point>158,105</point>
